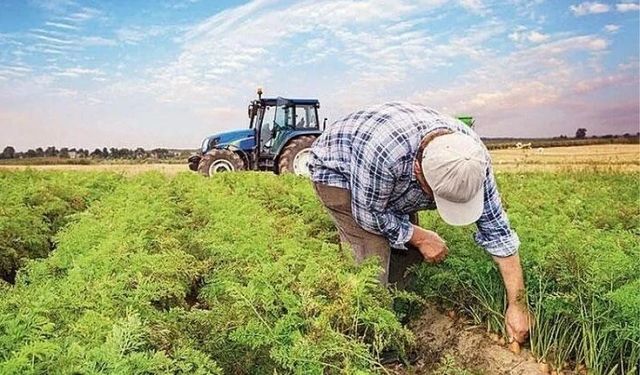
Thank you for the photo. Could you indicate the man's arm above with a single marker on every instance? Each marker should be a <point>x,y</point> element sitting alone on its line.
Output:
<point>516,316</point>
<point>497,238</point>
<point>371,187</point>
<point>430,244</point>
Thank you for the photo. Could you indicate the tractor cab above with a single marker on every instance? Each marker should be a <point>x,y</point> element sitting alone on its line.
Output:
<point>279,139</point>
<point>277,121</point>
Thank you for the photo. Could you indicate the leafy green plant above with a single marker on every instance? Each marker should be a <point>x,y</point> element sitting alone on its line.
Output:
<point>35,205</point>
<point>241,273</point>
<point>579,250</point>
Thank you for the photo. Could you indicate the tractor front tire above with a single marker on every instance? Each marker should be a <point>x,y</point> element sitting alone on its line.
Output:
<point>295,156</point>
<point>218,161</point>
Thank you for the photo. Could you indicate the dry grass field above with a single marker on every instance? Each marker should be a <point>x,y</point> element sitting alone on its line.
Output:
<point>616,157</point>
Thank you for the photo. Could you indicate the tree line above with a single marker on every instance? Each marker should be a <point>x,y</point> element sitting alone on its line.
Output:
<point>9,152</point>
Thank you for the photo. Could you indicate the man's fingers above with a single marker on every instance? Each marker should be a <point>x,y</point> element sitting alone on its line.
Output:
<point>516,335</point>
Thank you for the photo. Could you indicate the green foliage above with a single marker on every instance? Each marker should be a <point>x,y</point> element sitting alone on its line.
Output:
<point>193,275</point>
<point>580,250</point>
<point>241,273</point>
<point>34,205</point>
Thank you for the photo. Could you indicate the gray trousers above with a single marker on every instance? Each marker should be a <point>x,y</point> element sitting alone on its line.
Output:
<point>365,244</point>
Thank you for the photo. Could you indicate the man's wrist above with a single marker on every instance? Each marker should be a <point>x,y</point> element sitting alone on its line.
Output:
<point>416,235</point>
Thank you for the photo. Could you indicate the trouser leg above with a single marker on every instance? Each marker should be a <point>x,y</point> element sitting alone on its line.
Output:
<point>363,244</point>
<point>401,260</point>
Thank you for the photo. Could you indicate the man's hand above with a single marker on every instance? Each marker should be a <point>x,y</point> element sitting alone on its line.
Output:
<point>431,246</point>
<point>517,322</point>
<point>517,315</point>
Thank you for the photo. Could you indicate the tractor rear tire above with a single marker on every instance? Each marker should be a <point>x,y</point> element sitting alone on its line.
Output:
<point>218,161</point>
<point>295,156</point>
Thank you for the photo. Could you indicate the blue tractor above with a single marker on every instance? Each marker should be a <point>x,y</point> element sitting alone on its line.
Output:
<point>278,139</point>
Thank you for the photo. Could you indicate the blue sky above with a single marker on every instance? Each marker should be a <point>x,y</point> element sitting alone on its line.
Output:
<point>165,73</point>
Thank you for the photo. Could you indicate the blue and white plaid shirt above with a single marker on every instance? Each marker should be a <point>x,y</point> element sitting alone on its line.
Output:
<point>371,153</point>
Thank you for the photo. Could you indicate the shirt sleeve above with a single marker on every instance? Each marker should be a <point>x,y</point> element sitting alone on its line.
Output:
<point>372,182</point>
<point>494,232</point>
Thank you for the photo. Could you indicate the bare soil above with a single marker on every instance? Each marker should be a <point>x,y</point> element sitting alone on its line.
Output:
<point>440,337</point>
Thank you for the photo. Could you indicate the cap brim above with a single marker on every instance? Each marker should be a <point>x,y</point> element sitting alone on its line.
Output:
<point>454,213</point>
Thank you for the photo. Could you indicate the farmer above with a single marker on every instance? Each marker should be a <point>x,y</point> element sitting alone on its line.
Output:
<point>374,169</point>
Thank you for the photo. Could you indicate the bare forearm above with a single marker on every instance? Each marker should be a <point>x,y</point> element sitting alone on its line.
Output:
<point>511,271</point>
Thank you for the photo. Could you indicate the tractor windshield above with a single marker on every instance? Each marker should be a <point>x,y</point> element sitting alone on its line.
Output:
<point>306,117</point>
<point>283,117</point>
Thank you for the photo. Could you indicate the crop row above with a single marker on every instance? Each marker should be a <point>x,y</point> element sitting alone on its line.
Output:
<point>241,274</point>
<point>34,205</point>
<point>188,275</point>
<point>580,249</point>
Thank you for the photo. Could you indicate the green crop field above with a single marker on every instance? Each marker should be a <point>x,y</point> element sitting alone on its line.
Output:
<point>241,273</point>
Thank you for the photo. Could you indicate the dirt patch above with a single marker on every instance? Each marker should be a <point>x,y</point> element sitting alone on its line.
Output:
<point>441,339</point>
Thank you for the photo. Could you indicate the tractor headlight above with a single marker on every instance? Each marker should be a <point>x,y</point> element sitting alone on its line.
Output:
<point>209,143</point>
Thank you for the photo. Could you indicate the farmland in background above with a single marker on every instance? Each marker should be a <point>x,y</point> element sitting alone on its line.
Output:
<point>613,157</point>
<point>241,273</point>
<point>72,156</point>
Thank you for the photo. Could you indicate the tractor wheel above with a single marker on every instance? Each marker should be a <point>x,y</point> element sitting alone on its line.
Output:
<point>295,156</point>
<point>218,161</point>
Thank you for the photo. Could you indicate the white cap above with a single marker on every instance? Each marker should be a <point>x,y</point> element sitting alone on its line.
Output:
<point>455,167</point>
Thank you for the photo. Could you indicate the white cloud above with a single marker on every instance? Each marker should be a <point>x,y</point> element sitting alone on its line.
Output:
<point>612,28</point>
<point>536,37</point>
<point>61,25</point>
<point>51,39</point>
<point>348,54</point>
<point>536,79</point>
<point>232,50</point>
<point>77,72</point>
<point>627,7</point>
<point>136,34</point>
<point>476,6</point>
<point>521,35</point>
<point>96,41</point>
<point>7,71</point>
<point>589,7</point>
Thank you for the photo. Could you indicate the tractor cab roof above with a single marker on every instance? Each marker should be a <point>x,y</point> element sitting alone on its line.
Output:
<point>284,101</point>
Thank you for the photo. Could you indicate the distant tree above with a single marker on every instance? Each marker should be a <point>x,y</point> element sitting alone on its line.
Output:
<point>31,153</point>
<point>8,153</point>
<point>160,153</point>
<point>39,152</point>
<point>51,151</point>
<point>581,133</point>
<point>97,153</point>
<point>64,152</point>
<point>105,152</point>
<point>140,153</point>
